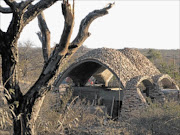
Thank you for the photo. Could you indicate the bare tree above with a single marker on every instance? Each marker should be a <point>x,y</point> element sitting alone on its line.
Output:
<point>25,107</point>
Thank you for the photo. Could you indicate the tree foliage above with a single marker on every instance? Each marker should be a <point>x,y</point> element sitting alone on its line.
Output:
<point>153,54</point>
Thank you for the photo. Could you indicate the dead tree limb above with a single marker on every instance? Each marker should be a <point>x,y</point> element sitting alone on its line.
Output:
<point>58,54</point>
<point>44,37</point>
<point>22,13</point>
<point>33,99</point>
<point>34,10</point>
<point>25,4</point>
<point>12,4</point>
<point>5,10</point>
<point>83,33</point>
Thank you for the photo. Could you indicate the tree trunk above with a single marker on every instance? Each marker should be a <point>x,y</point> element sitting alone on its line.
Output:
<point>24,124</point>
<point>24,110</point>
<point>10,71</point>
<point>24,113</point>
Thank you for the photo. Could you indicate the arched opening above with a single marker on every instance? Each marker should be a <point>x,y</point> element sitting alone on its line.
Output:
<point>146,88</point>
<point>166,83</point>
<point>90,79</point>
<point>87,69</point>
<point>169,88</point>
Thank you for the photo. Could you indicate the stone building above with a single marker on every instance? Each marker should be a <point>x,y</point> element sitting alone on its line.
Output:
<point>137,79</point>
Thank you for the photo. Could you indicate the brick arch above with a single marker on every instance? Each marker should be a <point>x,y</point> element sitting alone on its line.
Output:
<point>134,82</point>
<point>134,98</point>
<point>133,85</point>
<point>82,70</point>
<point>125,64</point>
<point>146,80</point>
<point>149,87</point>
<point>164,81</point>
<point>111,59</point>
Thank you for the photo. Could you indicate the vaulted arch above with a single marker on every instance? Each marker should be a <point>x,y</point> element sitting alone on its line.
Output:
<point>164,81</point>
<point>81,71</point>
<point>100,62</point>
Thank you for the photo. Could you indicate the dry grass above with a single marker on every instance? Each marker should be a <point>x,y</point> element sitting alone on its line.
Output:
<point>157,119</point>
<point>78,117</point>
<point>5,119</point>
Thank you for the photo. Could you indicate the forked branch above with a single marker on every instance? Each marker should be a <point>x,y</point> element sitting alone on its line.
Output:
<point>83,33</point>
<point>25,4</point>
<point>22,6</point>
<point>34,10</point>
<point>58,54</point>
<point>63,49</point>
<point>12,4</point>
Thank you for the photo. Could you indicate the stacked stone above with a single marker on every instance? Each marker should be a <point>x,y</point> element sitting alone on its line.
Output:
<point>132,103</point>
<point>157,94</point>
<point>144,65</point>
<point>114,60</point>
<point>158,78</point>
<point>124,64</point>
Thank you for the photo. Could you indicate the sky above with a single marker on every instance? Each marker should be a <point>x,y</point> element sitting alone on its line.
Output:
<point>130,23</point>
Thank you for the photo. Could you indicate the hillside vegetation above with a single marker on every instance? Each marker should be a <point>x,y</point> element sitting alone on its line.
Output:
<point>167,61</point>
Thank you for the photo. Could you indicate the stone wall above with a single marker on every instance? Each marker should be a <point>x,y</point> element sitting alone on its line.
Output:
<point>144,65</point>
<point>132,102</point>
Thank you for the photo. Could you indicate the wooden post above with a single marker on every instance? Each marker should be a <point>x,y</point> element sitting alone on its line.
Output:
<point>112,106</point>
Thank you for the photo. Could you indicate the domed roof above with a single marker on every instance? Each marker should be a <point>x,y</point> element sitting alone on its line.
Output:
<point>125,64</point>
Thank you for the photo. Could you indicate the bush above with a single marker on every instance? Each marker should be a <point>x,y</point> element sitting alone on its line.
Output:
<point>157,119</point>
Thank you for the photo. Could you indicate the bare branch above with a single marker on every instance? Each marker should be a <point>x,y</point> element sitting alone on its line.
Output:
<point>68,25</point>
<point>15,27</point>
<point>58,54</point>
<point>25,4</point>
<point>5,10</point>
<point>34,10</point>
<point>44,36</point>
<point>50,69</point>
<point>12,4</point>
<point>83,33</point>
